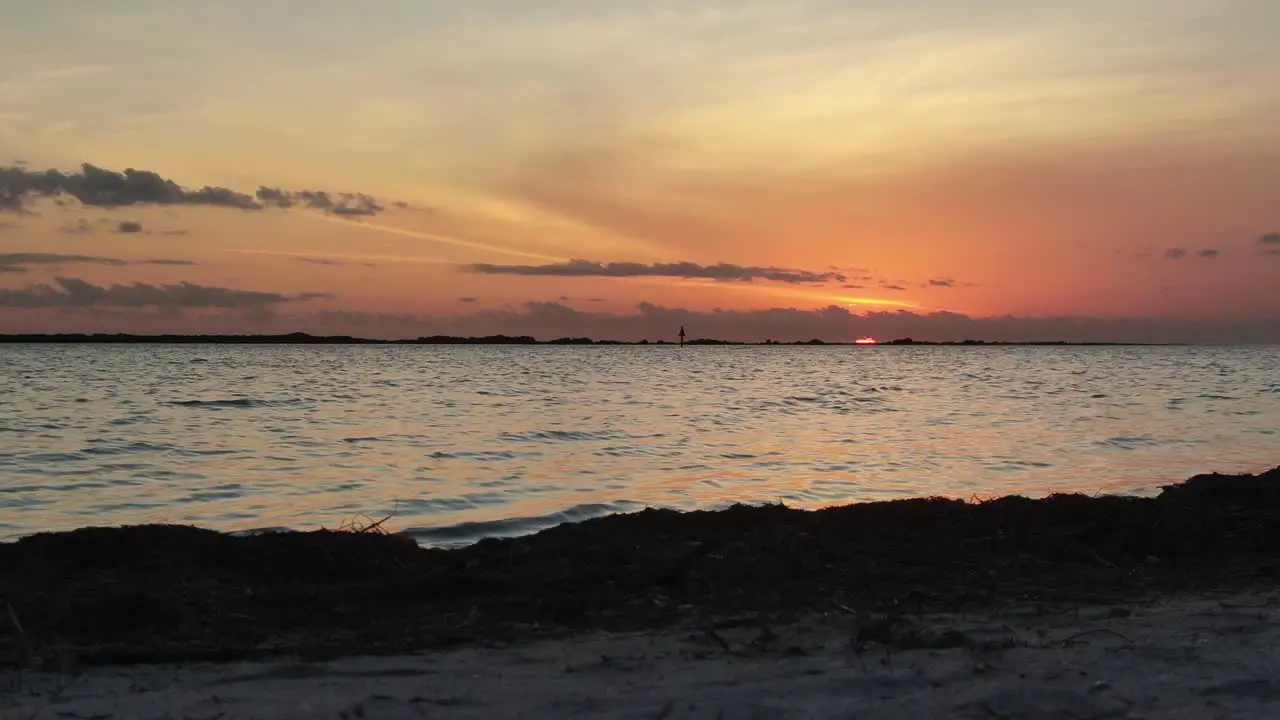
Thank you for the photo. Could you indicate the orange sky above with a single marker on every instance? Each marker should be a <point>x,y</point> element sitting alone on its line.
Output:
<point>1115,160</point>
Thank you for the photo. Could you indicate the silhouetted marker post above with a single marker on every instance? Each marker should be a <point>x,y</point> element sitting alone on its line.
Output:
<point>681,336</point>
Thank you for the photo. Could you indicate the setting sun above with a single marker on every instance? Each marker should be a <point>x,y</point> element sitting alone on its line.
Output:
<point>865,341</point>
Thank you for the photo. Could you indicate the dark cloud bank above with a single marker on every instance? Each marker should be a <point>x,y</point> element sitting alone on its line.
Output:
<point>684,270</point>
<point>98,187</point>
<point>76,293</point>
<point>114,310</point>
<point>551,320</point>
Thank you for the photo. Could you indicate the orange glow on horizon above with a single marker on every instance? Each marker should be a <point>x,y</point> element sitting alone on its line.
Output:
<point>865,341</point>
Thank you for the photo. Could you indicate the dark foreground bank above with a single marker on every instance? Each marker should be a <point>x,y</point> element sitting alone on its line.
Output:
<point>151,593</point>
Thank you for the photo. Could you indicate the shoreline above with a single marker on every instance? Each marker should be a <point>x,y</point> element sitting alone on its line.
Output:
<point>1188,657</point>
<point>154,593</point>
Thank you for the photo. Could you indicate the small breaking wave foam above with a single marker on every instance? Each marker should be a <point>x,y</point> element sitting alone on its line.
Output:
<point>466,533</point>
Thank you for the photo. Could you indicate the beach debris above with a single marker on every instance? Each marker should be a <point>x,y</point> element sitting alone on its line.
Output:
<point>168,592</point>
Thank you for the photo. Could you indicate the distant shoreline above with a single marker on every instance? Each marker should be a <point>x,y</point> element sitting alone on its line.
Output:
<point>307,339</point>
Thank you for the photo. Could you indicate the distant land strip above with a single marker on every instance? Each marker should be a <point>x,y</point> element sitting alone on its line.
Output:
<point>306,339</point>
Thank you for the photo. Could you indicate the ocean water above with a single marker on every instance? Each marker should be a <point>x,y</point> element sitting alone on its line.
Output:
<point>460,442</point>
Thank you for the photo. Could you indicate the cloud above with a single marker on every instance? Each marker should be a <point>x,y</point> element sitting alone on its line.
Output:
<point>942,282</point>
<point>854,287</point>
<point>719,271</point>
<point>22,261</point>
<point>99,187</point>
<point>76,293</point>
<point>320,261</point>
<point>1270,239</point>
<point>549,320</point>
<point>1183,253</point>
<point>348,204</point>
<point>82,227</point>
<point>129,227</point>
<point>173,232</point>
<point>9,226</point>
<point>467,299</point>
<point>892,286</point>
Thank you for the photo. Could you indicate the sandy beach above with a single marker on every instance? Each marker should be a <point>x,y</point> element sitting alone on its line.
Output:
<point>1069,606</point>
<point>1175,658</point>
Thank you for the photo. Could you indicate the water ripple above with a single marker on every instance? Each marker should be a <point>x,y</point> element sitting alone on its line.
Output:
<point>461,442</point>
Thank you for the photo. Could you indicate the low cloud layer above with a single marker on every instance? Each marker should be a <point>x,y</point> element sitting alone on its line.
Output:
<point>719,271</point>
<point>550,320</point>
<point>76,293</point>
<point>98,187</point>
<point>20,262</point>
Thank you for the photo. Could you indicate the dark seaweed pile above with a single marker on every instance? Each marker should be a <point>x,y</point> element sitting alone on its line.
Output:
<point>155,592</point>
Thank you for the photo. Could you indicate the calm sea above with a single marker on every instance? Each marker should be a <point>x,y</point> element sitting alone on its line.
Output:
<point>461,442</point>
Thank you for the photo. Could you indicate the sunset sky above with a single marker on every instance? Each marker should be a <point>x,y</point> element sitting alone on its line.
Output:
<point>787,169</point>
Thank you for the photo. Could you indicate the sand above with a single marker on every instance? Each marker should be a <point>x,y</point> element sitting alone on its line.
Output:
<point>1188,657</point>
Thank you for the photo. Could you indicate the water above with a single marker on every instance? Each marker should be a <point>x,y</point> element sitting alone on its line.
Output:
<point>458,442</point>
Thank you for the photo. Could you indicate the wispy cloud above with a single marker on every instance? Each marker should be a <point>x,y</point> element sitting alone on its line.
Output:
<point>322,261</point>
<point>686,270</point>
<point>942,283</point>
<point>80,227</point>
<point>20,262</point>
<point>1183,253</point>
<point>129,227</point>
<point>76,293</point>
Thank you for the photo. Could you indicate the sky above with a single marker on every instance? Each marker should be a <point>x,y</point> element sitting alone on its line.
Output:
<point>1095,170</point>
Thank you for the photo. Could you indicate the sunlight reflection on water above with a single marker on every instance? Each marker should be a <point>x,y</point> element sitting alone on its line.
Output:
<point>444,437</point>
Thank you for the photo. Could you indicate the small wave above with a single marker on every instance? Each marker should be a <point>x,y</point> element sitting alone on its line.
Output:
<point>382,438</point>
<point>561,436</point>
<point>1210,396</point>
<point>478,455</point>
<point>234,403</point>
<point>125,448</point>
<point>467,533</point>
<point>1128,443</point>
